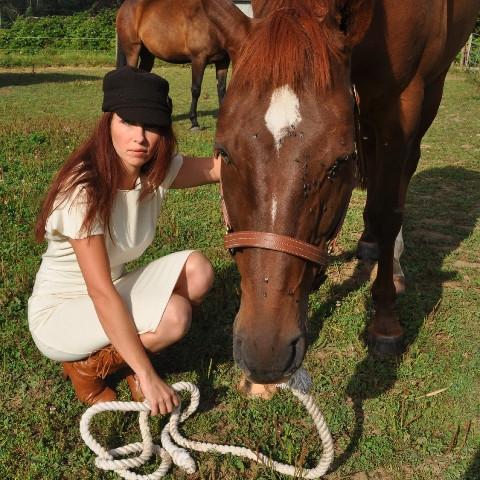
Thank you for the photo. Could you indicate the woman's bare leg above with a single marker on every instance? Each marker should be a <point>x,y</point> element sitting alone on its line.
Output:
<point>193,284</point>
<point>196,278</point>
<point>175,323</point>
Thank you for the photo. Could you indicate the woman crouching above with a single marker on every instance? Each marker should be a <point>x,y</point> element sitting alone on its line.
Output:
<point>101,212</point>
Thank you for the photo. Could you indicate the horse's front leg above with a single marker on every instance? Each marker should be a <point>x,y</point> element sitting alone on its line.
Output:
<point>397,143</point>
<point>385,218</point>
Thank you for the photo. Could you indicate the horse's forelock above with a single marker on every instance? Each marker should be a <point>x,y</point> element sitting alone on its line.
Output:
<point>294,45</point>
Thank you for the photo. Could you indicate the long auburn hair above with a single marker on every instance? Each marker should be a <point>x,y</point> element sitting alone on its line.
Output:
<point>94,170</point>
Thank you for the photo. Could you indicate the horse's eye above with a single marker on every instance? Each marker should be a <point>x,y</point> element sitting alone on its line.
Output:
<point>332,172</point>
<point>223,154</point>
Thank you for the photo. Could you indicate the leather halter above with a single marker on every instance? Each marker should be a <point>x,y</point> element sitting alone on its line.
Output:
<point>270,241</point>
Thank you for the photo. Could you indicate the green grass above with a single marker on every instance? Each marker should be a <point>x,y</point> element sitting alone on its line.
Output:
<point>384,425</point>
<point>56,58</point>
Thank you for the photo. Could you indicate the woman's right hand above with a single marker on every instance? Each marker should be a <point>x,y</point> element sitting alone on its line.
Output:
<point>161,396</point>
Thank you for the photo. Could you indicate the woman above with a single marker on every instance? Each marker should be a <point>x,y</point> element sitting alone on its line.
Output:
<point>100,212</point>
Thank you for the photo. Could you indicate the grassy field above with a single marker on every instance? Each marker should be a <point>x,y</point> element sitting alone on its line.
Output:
<point>388,420</point>
<point>55,57</point>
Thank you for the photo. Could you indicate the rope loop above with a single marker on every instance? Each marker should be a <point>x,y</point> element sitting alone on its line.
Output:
<point>172,441</point>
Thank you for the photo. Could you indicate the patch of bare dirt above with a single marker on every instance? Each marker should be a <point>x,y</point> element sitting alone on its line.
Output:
<point>464,264</point>
<point>355,272</point>
<point>434,237</point>
<point>452,284</point>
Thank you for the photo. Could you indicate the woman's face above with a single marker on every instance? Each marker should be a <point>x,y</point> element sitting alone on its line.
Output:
<point>133,143</point>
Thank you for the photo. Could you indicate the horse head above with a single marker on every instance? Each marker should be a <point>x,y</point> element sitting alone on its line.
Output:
<point>286,133</point>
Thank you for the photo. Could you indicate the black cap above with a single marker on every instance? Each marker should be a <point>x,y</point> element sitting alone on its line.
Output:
<point>137,96</point>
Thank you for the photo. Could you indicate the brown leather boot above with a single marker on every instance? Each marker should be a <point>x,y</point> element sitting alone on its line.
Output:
<point>88,376</point>
<point>134,386</point>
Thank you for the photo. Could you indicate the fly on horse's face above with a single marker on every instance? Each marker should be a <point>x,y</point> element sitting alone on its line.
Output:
<point>286,135</point>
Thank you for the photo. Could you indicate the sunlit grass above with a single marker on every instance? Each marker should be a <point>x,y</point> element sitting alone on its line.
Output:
<point>381,415</point>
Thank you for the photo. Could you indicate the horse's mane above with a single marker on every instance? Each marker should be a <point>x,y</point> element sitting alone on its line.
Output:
<point>293,45</point>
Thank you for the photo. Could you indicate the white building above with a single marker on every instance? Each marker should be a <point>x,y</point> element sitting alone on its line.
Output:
<point>244,6</point>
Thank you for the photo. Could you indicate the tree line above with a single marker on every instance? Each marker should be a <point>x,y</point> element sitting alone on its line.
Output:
<point>12,9</point>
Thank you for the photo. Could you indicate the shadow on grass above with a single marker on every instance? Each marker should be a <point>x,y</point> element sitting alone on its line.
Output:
<point>24,79</point>
<point>205,113</point>
<point>441,212</point>
<point>473,472</point>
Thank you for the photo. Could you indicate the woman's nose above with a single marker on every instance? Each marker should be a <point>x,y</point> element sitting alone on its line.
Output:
<point>139,134</point>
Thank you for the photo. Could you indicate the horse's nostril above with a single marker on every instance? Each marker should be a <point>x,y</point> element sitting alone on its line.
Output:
<point>294,342</point>
<point>298,352</point>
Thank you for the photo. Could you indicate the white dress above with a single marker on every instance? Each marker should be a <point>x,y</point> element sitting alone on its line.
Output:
<point>61,316</point>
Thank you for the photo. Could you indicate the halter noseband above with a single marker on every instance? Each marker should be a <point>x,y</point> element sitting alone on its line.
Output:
<point>270,241</point>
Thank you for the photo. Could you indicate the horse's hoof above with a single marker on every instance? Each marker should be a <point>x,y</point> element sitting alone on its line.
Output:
<point>367,251</point>
<point>195,128</point>
<point>383,346</point>
<point>256,390</point>
<point>399,282</point>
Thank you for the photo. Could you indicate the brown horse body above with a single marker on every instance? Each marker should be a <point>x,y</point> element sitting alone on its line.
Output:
<point>286,131</point>
<point>176,32</point>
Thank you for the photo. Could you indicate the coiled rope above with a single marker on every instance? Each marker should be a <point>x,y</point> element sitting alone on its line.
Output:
<point>299,384</point>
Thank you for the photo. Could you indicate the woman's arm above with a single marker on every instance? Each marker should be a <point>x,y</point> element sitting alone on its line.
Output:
<point>197,171</point>
<point>117,321</point>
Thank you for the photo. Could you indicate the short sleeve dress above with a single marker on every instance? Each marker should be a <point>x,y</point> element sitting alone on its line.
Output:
<point>61,316</point>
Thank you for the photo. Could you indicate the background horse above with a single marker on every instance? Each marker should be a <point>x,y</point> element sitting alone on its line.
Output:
<point>176,32</point>
<point>286,132</point>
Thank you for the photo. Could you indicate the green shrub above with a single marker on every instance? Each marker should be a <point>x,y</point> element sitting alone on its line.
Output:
<point>80,31</point>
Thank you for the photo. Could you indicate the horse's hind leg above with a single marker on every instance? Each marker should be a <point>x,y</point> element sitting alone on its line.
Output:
<point>147,59</point>
<point>198,69</point>
<point>221,71</point>
<point>431,101</point>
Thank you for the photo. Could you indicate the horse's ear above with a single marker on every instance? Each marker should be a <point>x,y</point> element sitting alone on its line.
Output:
<point>231,23</point>
<point>354,17</point>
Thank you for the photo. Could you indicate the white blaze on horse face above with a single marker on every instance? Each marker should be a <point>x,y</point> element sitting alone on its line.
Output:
<point>397,253</point>
<point>273,210</point>
<point>283,114</point>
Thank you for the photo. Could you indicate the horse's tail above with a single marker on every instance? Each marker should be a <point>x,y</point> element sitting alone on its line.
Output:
<point>121,57</point>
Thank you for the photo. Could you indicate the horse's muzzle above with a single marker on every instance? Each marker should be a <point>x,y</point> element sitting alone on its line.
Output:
<point>268,362</point>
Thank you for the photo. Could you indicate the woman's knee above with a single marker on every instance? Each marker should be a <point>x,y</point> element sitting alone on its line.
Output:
<point>199,275</point>
<point>177,317</point>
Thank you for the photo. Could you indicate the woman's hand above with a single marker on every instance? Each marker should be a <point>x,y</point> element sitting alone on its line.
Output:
<point>161,396</point>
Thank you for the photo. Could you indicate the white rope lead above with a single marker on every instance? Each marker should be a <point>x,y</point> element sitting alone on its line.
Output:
<point>299,384</point>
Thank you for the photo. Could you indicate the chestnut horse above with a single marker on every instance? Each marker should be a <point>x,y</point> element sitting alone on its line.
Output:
<point>287,131</point>
<point>176,32</point>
